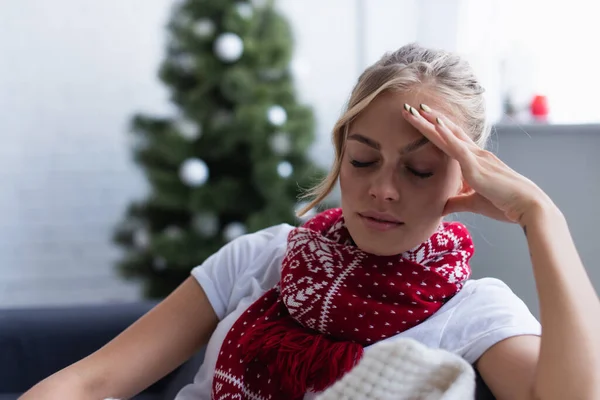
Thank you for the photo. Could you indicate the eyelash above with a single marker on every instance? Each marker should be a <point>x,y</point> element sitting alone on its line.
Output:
<point>359,164</point>
<point>422,175</point>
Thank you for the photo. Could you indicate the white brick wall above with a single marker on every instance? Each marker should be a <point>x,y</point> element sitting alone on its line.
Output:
<point>71,74</point>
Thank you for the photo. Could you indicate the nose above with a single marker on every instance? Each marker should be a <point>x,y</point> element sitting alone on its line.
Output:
<point>384,187</point>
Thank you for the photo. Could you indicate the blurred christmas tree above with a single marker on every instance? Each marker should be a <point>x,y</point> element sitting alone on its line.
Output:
<point>235,158</point>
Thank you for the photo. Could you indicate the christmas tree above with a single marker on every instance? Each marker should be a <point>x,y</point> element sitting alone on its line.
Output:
<point>234,158</point>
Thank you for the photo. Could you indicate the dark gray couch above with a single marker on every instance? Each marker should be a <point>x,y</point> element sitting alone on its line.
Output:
<point>34,343</point>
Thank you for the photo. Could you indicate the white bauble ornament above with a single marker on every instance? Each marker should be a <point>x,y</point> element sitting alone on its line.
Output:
<point>276,115</point>
<point>281,143</point>
<point>206,224</point>
<point>204,28</point>
<point>285,169</point>
<point>189,129</point>
<point>160,263</point>
<point>141,238</point>
<point>173,232</point>
<point>244,10</point>
<point>309,214</point>
<point>193,172</point>
<point>229,47</point>
<point>234,230</point>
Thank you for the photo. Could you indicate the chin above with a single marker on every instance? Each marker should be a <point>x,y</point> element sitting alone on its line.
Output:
<point>380,244</point>
<point>389,243</point>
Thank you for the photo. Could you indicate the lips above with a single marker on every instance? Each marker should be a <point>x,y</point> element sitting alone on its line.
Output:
<point>380,217</point>
<point>379,222</point>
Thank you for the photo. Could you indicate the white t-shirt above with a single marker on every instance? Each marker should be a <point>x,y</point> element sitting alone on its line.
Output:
<point>483,313</point>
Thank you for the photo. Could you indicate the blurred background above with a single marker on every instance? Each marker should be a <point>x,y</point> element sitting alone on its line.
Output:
<point>140,136</point>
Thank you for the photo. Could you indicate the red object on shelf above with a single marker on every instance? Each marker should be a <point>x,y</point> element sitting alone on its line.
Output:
<point>539,107</point>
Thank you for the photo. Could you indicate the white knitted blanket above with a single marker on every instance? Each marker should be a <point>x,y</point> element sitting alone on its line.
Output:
<point>405,369</point>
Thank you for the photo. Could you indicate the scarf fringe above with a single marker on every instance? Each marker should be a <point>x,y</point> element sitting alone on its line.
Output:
<point>304,360</point>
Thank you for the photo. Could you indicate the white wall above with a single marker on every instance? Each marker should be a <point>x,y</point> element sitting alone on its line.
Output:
<point>71,74</point>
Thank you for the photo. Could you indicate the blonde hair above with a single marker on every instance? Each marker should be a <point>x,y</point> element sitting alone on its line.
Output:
<point>412,67</point>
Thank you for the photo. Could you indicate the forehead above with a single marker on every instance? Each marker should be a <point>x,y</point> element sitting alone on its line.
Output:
<point>382,119</point>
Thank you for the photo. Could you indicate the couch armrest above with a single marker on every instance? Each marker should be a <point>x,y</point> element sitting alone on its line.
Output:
<point>36,342</point>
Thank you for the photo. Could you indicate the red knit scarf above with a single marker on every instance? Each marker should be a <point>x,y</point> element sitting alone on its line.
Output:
<point>333,299</point>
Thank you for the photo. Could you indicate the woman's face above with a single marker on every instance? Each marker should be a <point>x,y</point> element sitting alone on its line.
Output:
<point>394,183</point>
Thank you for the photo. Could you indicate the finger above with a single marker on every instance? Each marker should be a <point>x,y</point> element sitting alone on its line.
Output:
<point>426,128</point>
<point>464,153</point>
<point>433,115</point>
<point>440,136</point>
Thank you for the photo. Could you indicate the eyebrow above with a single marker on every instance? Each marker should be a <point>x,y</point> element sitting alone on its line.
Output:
<point>409,148</point>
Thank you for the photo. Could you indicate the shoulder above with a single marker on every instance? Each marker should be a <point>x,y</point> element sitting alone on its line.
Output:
<point>485,293</point>
<point>484,313</point>
<point>265,240</point>
<point>225,275</point>
<point>250,246</point>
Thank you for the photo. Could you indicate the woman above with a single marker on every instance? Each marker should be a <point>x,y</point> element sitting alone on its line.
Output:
<point>277,306</point>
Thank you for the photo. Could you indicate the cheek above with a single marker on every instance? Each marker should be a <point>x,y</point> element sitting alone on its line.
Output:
<point>453,179</point>
<point>351,182</point>
<point>433,198</point>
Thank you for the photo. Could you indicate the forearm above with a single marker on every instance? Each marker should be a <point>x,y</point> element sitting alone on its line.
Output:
<point>569,363</point>
<point>62,385</point>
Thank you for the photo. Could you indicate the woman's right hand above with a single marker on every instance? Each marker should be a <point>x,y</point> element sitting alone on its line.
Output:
<point>149,349</point>
<point>493,189</point>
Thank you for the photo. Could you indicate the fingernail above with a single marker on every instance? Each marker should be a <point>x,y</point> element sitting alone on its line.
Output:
<point>425,107</point>
<point>439,121</point>
<point>414,111</point>
<point>406,107</point>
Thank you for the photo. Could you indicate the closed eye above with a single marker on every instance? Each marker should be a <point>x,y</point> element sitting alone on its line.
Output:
<point>419,174</point>
<point>359,164</point>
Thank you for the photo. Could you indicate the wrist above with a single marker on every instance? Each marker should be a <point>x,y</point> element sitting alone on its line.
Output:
<point>539,211</point>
